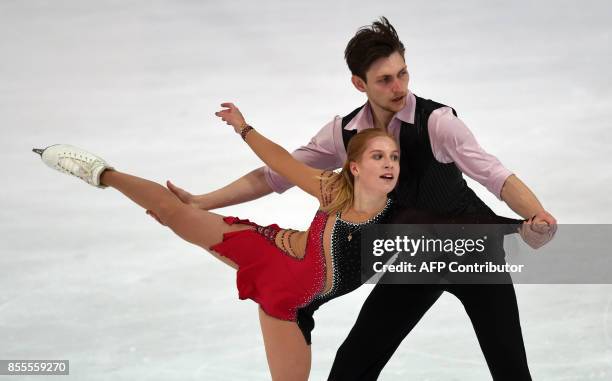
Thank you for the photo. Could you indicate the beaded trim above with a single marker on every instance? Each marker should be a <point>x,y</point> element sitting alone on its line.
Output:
<point>320,257</point>
<point>335,276</point>
<point>270,234</point>
<point>334,280</point>
<point>326,198</point>
<point>288,250</point>
<point>267,231</point>
<point>367,221</point>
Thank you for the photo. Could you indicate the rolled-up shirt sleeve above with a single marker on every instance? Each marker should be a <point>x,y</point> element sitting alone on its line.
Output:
<point>452,141</point>
<point>321,152</point>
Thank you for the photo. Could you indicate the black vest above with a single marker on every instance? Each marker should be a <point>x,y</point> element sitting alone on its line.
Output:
<point>425,183</point>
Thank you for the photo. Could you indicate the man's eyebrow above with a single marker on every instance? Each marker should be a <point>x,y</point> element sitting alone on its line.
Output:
<point>389,75</point>
<point>383,76</point>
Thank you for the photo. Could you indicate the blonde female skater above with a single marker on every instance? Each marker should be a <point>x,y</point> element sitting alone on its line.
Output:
<point>288,273</point>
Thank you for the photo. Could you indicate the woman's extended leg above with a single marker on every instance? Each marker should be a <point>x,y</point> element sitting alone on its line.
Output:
<point>288,355</point>
<point>287,352</point>
<point>197,226</point>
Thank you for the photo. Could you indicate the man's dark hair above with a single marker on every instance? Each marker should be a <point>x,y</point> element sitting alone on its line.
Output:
<point>371,43</point>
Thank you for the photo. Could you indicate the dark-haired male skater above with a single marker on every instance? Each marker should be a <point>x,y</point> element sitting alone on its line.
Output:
<point>436,148</point>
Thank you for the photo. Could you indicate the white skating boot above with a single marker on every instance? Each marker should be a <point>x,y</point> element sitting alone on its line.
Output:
<point>74,161</point>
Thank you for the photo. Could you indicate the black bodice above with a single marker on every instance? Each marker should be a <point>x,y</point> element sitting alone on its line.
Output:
<point>345,252</point>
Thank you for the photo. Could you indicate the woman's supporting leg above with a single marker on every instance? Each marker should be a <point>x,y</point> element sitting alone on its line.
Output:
<point>288,355</point>
<point>197,226</point>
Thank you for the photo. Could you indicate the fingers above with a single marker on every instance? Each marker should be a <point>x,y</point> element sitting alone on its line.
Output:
<point>171,187</point>
<point>540,228</point>
<point>225,115</point>
<point>150,213</point>
<point>542,224</point>
<point>545,217</point>
<point>184,196</point>
<point>178,192</point>
<point>536,233</point>
<point>229,108</point>
<point>231,115</point>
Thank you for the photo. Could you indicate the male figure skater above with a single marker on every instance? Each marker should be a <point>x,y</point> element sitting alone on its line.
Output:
<point>436,149</point>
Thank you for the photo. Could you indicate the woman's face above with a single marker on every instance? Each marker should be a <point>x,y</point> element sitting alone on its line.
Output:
<point>377,170</point>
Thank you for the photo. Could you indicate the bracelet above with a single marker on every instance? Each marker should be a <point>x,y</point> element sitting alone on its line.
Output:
<point>245,130</point>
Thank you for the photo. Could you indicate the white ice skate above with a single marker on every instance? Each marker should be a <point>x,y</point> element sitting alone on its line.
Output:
<point>74,161</point>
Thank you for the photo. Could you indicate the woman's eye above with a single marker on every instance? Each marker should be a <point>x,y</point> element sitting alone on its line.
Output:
<point>395,157</point>
<point>377,156</point>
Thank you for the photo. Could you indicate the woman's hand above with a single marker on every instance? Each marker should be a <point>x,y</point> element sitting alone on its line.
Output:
<point>539,229</point>
<point>232,116</point>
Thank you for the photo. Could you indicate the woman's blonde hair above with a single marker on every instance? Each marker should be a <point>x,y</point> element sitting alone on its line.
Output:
<point>338,190</point>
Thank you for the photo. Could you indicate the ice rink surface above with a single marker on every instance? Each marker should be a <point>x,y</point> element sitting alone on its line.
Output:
<point>88,277</point>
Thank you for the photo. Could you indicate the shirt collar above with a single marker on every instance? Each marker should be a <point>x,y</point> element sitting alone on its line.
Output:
<point>364,120</point>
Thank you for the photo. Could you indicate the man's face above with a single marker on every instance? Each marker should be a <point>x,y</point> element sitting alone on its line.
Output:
<point>387,83</point>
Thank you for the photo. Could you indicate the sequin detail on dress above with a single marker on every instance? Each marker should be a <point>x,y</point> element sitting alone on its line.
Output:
<point>278,282</point>
<point>287,287</point>
<point>345,266</point>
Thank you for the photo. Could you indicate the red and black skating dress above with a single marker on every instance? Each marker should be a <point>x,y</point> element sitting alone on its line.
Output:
<point>292,288</point>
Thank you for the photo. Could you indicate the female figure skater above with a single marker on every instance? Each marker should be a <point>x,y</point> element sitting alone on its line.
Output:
<point>288,273</point>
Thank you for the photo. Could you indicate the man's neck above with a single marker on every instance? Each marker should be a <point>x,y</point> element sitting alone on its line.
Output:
<point>380,117</point>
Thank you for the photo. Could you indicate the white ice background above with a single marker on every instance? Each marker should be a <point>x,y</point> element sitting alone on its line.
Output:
<point>86,276</point>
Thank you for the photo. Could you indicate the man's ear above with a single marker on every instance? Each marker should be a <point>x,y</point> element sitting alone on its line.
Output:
<point>358,83</point>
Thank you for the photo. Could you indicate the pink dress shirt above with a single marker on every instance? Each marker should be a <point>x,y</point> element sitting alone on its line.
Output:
<point>451,141</point>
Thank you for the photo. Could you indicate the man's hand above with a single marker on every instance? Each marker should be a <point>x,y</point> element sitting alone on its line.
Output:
<point>539,229</point>
<point>181,194</point>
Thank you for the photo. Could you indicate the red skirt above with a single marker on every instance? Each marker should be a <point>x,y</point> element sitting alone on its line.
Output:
<point>277,281</point>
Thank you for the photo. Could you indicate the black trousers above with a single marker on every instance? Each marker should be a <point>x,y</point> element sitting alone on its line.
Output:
<point>392,310</point>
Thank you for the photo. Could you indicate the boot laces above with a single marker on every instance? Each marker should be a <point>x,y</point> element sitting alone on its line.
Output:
<point>78,165</point>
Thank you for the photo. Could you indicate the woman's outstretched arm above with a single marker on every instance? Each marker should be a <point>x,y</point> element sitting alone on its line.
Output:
<point>273,155</point>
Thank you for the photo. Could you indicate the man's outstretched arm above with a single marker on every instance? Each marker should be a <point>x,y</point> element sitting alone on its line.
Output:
<point>249,187</point>
<point>321,152</point>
